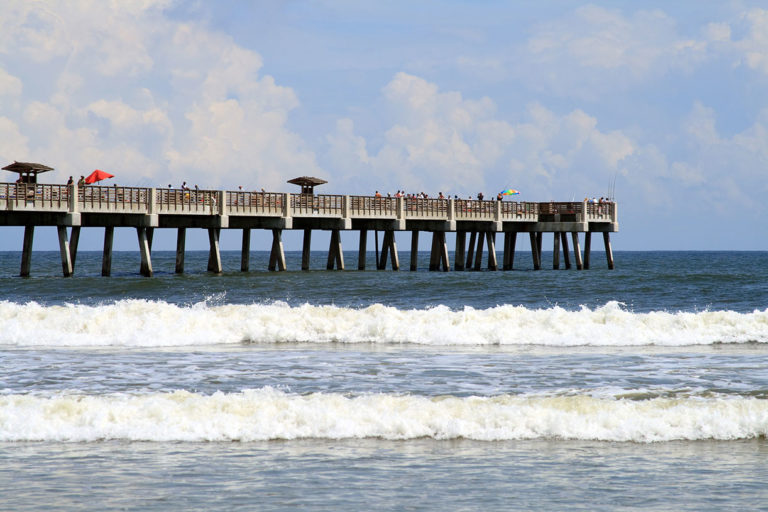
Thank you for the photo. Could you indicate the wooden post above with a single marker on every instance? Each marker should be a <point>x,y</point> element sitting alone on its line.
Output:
<point>539,237</point>
<point>181,242</point>
<point>434,257</point>
<point>106,256</point>
<point>362,249</point>
<point>566,251</point>
<point>444,252</point>
<point>608,250</point>
<point>534,252</point>
<point>335,255</point>
<point>146,260</point>
<point>577,251</point>
<point>26,250</point>
<point>305,248</point>
<point>66,261</point>
<point>394,259</point>
<point>461,247</point>
<point>479,251</point>
<point>214,255</point>
<point>491,239</point>
<point>277,255</point>
<point>470,250</point>
<point>245,251</point>
<point>376,247</point>
<point>587,248</point>
<point>414,249</point>
<point>150,237</point>
<point>74,239</point>
<point>556,251</point>
<point>510,240</point>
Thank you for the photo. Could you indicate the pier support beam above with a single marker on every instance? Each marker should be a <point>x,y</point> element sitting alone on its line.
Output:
<point>539,237</point>
<point>470,250</point>
<point>443,247</point>
<point>434,257</point>
<point>414,249</point>
<point>305,249</point>
<point>181,242</point>
<point>566,251</point>
<point>391,246</point>
<point>245,251</point>
<point>146,260</point>
<point>438,256</point>
<point>66,261</point>
<point>277,254</point>
<point>491,239</point>
<point>577,251</point>
<point>335,254</point>
<point>556,251</point>
<point>510,240</point>
<point>461,247</point>
<point>587,248</point>
<point>479,251</point>
<point>26,251</point>
<point>214,254</point>
<point>74,239</point>
<point>362,249</point>
<point>534,252</point>
<point>608,250</point>
<point>106,255</point>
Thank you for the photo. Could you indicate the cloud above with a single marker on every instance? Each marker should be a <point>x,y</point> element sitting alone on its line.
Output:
<point>152,98</point>
<point>441,141</point>
<point>593,50</point>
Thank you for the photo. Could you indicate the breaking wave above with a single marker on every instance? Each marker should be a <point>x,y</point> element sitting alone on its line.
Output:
<point>144,323</point>
<point>269,414</point>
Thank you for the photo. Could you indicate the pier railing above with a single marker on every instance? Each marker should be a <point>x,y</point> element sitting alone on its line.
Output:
<point>168,201</point>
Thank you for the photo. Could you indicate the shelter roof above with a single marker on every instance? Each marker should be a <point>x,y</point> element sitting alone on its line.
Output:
<point>27,167</point>
<point>307,181</point>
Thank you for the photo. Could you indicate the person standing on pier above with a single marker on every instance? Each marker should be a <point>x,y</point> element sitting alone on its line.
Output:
<point>81,182</point>
<point>70,181</point>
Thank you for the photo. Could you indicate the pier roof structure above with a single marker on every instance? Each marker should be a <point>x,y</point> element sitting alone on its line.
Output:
<point>28,171</point>
<point>307,183</point>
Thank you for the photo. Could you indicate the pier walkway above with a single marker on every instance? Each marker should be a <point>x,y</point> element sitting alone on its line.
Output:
<point>146,209</point>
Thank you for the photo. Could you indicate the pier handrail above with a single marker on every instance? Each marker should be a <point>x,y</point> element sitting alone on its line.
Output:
<point>95,198</point>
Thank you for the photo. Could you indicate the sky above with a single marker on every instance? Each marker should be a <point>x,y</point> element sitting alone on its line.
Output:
<point>663,105</point>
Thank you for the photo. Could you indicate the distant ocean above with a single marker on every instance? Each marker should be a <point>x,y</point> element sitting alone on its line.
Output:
<point>641,387</point>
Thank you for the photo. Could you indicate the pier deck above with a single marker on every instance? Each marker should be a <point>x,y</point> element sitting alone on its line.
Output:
<point>145,209</point>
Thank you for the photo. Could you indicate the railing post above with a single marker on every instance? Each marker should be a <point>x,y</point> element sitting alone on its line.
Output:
<point>451,210</point>
<point>222,202</point>
<point>400,207</point>
<point>584,217</point>
<point>346,206</point>
<point>497,212</point>
<point>286,205</point>
<point>152,202</point>
<point>72,199</point>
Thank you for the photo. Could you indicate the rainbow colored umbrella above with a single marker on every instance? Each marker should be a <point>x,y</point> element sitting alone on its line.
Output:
<point>510,192</point>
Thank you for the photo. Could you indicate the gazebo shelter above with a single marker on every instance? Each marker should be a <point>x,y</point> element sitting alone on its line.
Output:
<point>307,183</point>
<point>28,171</point>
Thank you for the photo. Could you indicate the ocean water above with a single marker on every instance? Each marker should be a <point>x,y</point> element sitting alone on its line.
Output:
<point>641,387</point>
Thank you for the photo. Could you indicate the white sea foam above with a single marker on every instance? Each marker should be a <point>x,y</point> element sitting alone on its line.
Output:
<point>156,323</point>
<point>267,414</point>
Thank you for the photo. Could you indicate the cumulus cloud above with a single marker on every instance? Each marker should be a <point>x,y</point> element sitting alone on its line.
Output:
<point>443,141</point>
<point>592,50</point>
<point>153,99</point>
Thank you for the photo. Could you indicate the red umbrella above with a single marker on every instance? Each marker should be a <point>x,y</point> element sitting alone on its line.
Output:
<point>97,175</point>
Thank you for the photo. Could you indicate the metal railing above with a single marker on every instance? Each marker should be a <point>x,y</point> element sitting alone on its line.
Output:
<point>416,207</point>
<point>474,209</point>
<point>95,198</point>
<point>367,206</point>
<point>34,196</point>
<point>177,200</point>
<point>255,203</point>
<point>325,205</point>
<point>91,198</point>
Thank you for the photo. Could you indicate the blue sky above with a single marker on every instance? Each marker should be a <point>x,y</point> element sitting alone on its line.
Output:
<point>556,99</point>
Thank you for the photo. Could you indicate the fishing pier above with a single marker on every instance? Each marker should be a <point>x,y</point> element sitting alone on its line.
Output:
<point>75,206</point>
